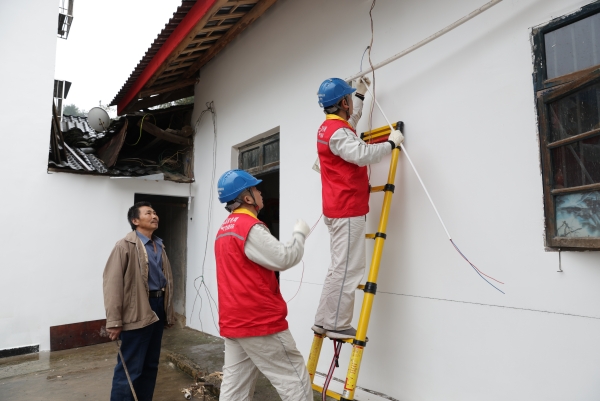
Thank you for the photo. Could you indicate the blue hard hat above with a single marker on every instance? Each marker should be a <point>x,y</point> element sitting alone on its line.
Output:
<point>333,90</point>
<point>233,183</point>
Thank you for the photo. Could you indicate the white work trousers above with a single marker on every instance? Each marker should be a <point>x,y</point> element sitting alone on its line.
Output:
<point>347,247</point>
<point>276,356</point>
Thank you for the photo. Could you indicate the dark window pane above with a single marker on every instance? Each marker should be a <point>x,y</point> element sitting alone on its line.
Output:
<point>271,152</point>
<point>573,47</point>
<point>575,114</point>
<point>576,164</point>
<point>578,215</point>
<point>250,158</point>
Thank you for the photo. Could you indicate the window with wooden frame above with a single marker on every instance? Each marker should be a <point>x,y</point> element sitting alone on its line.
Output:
<point>261,156</point>
<point>567,84</point>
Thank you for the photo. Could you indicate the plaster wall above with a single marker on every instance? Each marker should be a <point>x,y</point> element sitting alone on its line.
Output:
<point>437,331</point>
<point>58,229</point>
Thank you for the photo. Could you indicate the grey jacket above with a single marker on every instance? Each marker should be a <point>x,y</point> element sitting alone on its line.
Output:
<point>125,284</point>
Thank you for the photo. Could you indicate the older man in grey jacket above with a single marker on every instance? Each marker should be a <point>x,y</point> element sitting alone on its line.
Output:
<point>138,293</point>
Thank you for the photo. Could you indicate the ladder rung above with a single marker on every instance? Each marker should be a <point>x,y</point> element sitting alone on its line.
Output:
<point>381,188</point>
<point>330,393</point>
<point>376,235</point>
<point>378,134</point>
<point>361,287</point>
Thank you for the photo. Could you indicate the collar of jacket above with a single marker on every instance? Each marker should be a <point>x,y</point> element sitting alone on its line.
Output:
<point>336,117</point>
<point>244,211</point>
<point>133,238</point>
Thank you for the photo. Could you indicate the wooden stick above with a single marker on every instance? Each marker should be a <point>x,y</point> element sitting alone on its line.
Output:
<point>574,138</point>
<point>581,188</point>
<point>159,133</point>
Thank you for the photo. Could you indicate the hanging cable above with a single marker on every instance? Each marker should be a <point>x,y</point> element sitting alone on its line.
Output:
<point>426,40</point>
<point>337,347</point>
<point>302,275</point>
<point>210,107</point>
<point>479,272</point>
<point>370,47</point>
<point>372,108</point>
<point>363,56</point>
<point>141,125</point>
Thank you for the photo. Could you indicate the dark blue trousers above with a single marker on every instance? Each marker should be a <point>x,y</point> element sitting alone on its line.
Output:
<point>141,350</point>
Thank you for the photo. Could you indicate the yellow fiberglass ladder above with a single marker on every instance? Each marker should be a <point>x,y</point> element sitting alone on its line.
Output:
<point>369,288</point>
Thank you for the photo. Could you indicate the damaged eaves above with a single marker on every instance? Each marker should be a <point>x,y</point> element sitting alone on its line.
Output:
<point>77,131</point>
<point>175,78</point>
<point>163,146</point>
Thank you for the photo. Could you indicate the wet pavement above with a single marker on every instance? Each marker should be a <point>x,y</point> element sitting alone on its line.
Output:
<point>86,373</point>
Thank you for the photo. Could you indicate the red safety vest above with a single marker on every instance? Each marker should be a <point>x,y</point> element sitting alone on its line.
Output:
<point>345,186</point>
<point>250,303</point>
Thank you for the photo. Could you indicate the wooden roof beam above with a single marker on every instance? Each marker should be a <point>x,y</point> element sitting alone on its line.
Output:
<point>160,99</point>
<point>192,57</point>
<point>186,41</point>
<point>242,24</point>
<point>206,39</point>
<point>241,2</point>
<point>221,27</point>
<point>167,87</point>
<point>193,20</point>
<point>170,74</point>
<point>161,134</point>
<point>221,17</point>
<point>195,49</point>
<point>178,66</point>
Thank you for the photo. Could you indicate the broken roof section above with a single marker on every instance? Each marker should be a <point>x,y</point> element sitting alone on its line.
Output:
<point>198,31</point>
<point>131,147</point>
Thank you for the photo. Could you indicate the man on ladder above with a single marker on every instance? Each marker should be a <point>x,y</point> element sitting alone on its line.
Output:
<point>343,158</point>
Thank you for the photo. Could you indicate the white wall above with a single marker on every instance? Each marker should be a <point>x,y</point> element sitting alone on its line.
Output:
<point>468,104</point>
<point>58,228</point>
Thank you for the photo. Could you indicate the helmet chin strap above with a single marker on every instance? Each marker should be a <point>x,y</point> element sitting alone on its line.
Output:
<point>254,200</point>
<point>347,111</point>
<point>239,201</point>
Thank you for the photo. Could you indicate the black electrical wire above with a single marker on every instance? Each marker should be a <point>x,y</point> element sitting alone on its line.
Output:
<point>210,107</point>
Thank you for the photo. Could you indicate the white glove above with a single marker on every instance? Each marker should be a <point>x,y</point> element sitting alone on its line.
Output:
<point>301,227</point>
<point>396,137</point>
<point>361,85</point>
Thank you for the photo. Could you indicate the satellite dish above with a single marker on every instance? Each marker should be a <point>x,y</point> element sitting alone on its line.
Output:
<point>98,119</point>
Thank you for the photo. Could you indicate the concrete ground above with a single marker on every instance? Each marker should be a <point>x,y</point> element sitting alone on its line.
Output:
<point>86,373</point>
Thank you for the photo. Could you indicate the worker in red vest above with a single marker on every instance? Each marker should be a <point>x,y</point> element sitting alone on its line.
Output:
<point>252,312</point>
<point>343,159</point>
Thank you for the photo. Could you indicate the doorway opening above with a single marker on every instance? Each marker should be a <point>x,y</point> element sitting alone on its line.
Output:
<point>269,188</point>
<point>172,214</point>
<point>261,159</point>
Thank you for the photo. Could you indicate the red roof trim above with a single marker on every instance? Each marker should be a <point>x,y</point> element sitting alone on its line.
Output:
<point>196,13</point>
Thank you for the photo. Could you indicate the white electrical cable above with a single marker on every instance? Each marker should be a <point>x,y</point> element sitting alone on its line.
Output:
<point>479,272</point>
<point>426,40</point>
<point>396,57</point>
<point>411,163</point>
